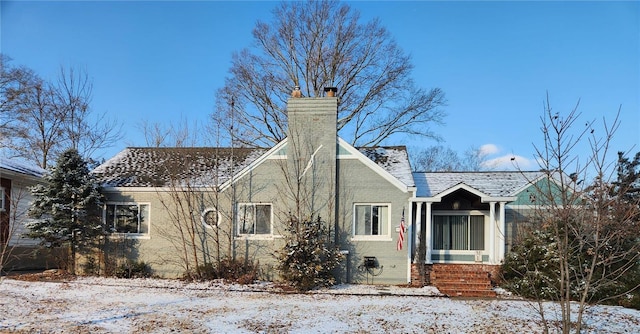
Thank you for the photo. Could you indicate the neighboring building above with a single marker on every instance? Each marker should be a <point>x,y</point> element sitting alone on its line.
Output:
<point>16,177</point>
<point>244,196</point>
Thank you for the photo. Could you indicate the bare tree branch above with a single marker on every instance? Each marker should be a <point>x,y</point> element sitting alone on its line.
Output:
<point>45,119</point>
<point>318,44</point>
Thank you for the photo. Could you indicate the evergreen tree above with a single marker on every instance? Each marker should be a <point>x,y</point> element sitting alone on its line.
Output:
<point>68,207</point>
<point>628,183</point>
<point>531,269</point>
<point>626,208</point>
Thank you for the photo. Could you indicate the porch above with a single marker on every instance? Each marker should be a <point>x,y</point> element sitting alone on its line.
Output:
<point>458,241</point>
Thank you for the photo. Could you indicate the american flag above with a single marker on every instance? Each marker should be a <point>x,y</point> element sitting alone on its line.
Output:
<point>401,233</point>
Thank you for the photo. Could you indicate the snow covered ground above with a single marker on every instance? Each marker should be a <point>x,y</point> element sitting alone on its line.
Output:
<point>104,305</point>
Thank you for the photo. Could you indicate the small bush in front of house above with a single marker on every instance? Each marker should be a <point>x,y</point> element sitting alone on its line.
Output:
<point>204,272</point>
<point>233,270</point>
<point>91,267</point>
<point>238,270</point>
<point>308,258</point>
<point>133,269</point>
<point>531,269</point>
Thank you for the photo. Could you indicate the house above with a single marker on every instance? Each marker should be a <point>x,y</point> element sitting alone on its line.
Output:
<point>17,252</point>
<point>236,201</point>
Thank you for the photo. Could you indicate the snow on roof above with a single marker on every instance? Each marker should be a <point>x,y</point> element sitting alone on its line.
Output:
<point>21,167</point>
<point>210,166</point>
<point>393,159</point>
<point>496,184</point>
<point>161,167</point>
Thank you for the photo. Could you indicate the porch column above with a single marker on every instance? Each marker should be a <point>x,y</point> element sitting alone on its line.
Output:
<point>427,239</point>
<point>409,236</point>
<point>502,233</point>
<point>418,224</point>
<point>492,232</point>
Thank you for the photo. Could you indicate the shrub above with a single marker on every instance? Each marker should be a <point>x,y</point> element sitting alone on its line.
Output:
<point>531,269</point>
<point>234,270</point>
<point>91,267</point>
<point>308,257</point>
<point>133,269</point>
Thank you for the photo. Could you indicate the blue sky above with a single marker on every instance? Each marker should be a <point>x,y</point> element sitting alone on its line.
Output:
<point>162,61</point>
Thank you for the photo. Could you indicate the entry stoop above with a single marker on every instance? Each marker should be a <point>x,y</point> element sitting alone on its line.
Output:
<point>463,280</point>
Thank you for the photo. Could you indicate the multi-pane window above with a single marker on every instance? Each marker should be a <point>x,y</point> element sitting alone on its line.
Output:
<point>458,232</point>
<point>254,219</point>
<point>371,220</point>
<point>127,218</point>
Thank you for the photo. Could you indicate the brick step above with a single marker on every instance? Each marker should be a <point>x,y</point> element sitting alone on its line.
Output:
<point>479,285</point>
<point>468,293</point>
<point>461,278</point>
<point>460,281</point>
<point>454,267</point>
<point>468,276</point>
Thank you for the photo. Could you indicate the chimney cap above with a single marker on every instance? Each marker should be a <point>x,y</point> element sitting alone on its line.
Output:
<point>331,91</point>
<point>296,92</point>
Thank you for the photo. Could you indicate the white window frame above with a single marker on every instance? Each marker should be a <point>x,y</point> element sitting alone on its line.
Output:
<point>467,213</point>
<point>203,217</point>
<point>254,235</point>
<point>384,235</point>
<point>111,225</point>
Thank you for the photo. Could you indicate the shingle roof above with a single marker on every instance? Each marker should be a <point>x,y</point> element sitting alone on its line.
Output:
<point>207,166</point>
<point>495,184</point>
<point>158,167</point>
<point>393,159</point>
<point>21,167</point>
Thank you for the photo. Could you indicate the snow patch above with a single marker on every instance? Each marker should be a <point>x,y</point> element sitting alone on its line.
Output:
<point>109,305</point>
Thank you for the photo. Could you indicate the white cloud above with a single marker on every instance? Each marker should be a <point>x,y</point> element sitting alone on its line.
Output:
<point>488,149</point>
<point>508,162</point>
<point>497,160</point>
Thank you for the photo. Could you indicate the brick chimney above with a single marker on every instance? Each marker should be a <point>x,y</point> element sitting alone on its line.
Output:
<point>312,145</point>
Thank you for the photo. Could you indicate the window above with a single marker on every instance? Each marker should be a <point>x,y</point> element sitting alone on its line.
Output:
<point>458,232</point>
<point>2,201</point>
<point>211,218</point>
<point>127,218</point>
<point>254,219</point>
<point>371,220</point>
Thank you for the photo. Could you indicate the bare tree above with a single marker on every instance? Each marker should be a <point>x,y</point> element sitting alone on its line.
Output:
<point>186,232</point>
<point>444,159</point>
<point>592,228</point>
<point>190,228</point>
<point>318,44</point>
<point>37,134</point>
<point>49,118</point>
<point>182,134</point>
<point>13,82</point>
<point>84,130</point>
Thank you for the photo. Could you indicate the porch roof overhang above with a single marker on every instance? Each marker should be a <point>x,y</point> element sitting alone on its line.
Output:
<point>484,198</point>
